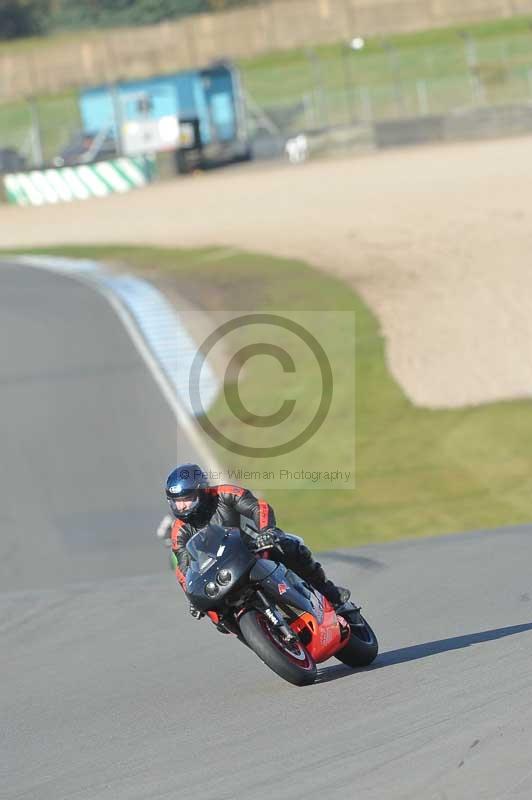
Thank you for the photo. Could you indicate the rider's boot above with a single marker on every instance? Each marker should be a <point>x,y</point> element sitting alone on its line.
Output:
<point>299,558</point>
<point>336,595</point>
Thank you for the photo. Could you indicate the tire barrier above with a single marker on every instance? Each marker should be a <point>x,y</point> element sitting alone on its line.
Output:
<point>65,184</point>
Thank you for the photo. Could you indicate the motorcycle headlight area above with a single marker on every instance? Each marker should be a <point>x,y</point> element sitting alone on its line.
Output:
<point>211,589</point>
<point>224,577</point>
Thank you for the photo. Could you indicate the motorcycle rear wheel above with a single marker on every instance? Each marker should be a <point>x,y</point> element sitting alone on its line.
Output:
<point>362,647</point>
<point>289,661</point>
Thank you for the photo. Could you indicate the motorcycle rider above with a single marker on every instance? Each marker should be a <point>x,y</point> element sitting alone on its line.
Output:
<point>194,504</point>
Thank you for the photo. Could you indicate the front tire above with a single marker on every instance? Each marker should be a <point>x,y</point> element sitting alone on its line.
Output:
<point>362,647</point>
<point>291,662</point>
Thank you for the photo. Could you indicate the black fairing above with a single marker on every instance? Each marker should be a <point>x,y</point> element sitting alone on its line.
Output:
<point>262,569</point>
<point>285,588</point>
<point>212,549</point>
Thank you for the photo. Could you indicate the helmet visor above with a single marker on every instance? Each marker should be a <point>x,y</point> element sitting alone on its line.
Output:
<point>185,504</point>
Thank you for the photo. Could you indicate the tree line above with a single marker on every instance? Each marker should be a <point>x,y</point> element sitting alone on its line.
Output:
<point>36,17</point>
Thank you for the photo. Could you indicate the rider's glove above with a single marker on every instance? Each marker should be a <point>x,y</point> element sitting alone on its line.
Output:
<point>195,612</point>
<point>264,540</point>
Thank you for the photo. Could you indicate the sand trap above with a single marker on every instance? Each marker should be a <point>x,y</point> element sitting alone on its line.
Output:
<point>438,240</point>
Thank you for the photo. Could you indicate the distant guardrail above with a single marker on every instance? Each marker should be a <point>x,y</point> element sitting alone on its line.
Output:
<point>65,184</point>
<point>471,124</point>
<point>461,125</point>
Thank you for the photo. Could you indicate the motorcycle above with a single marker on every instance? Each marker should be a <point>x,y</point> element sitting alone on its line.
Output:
<point>288,624</point>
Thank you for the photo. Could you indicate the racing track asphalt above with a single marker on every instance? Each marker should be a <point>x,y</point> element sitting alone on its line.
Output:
<point>109,691</point>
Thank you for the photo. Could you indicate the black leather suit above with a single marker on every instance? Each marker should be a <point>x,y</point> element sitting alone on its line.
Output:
<point>225,505</point>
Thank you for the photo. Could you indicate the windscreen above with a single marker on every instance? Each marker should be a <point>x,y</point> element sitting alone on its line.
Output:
<point>203,548</point>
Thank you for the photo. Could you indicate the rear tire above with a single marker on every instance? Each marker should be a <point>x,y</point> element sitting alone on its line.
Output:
<point>362,647</point>
<point>295,665</point>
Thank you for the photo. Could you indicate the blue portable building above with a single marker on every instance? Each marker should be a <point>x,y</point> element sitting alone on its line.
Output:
<point>209,99</point>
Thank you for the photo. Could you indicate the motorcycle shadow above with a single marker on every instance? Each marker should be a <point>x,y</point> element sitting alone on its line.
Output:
<point>424,650</point>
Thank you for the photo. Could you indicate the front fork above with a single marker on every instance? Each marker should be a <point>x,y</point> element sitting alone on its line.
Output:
<point>273,616</point>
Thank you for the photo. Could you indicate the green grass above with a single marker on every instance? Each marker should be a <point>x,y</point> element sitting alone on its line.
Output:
<point>407,74</point>
<point>419,472</point>
<point>59,118</point>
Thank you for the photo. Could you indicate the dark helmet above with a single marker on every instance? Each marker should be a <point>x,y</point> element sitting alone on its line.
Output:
<point>186,482</point>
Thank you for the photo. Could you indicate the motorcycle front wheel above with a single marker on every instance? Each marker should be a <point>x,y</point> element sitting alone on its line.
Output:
<point>289,660</point>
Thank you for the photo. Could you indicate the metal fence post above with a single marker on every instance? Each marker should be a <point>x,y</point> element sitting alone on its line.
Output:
<point>471,56</point>
<point>311,119</point>
<point>36,134</point>
<point>365,104</point>
<point>318,87</point>
<point>422,97</point>
<point>348,83</point>
<point>529,79</point>
<point>118,118</point>
<point>394,62</point>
